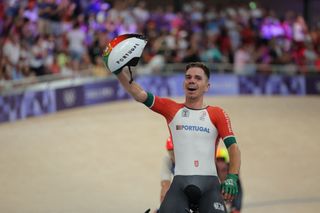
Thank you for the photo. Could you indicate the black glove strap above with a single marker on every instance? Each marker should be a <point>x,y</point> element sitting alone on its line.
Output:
<point>131,78</point>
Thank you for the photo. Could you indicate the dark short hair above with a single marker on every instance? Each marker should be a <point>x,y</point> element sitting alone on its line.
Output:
<point>200,65</point>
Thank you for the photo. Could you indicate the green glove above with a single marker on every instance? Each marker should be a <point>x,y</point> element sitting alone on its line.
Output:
<point>230,185</point>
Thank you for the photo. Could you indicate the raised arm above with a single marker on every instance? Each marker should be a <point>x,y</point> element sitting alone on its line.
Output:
<point>132,88</point>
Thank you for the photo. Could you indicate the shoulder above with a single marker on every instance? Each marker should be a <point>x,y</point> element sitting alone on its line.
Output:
<point>153,101</point>
<point>215,109</point>
<point>167,100</point>
<point>217,113</point>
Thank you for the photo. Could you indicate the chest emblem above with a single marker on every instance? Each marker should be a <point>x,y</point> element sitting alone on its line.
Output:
<point>185,113</point>
<point>203,115</point>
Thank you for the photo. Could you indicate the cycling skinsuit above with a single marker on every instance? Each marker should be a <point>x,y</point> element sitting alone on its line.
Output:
<point>195,135</point>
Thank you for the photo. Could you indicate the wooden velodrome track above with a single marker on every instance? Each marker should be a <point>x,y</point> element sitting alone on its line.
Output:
<point>106,158</point>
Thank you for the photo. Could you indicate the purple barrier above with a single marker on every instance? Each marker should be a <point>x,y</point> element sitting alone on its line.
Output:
<point>159,85</point>
<point>313,84</point>
<point>173,85</point>
<point>272,85</point>
<point>224,84</point>
<point>10,107</point>
<point>38,103</point>
<point>103,92</point>
<point>69,97</point>
<point>27,104</point>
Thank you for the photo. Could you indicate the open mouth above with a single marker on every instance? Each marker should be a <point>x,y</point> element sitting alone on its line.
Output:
<point>192,87</point>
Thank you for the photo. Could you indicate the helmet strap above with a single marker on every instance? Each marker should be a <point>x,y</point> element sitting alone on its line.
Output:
<point>131,78</point>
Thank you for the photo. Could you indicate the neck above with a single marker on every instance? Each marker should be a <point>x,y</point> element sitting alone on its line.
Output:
<point>194,103</point>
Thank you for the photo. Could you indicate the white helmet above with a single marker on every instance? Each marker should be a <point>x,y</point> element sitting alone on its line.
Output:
<point>124,50</point>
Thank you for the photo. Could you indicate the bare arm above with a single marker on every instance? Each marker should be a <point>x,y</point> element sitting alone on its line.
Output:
<point>229,186</point>
<point>165,185</point>
<point>235,159</point>
<point>133,89</point>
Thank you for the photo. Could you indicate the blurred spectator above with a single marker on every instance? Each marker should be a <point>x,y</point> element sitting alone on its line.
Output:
<point>275,51</point>
<point>37,57</point>
<point>141,13</point>
<point>310,54</point>
<point>67,70</point>
<point>60,35</point>
<point>271,27</point>
<point>155,65</point>
<point>11,55</point>
<point>300,30</point>
<point>317,64</point>
<point>31,11</point>
<point>224,42</point>
<point>192,55</point>
<point>67,14</point>
<point>48,46</point>
<point>24,61</point>
<point>94,50</point>
<point>262,57</point>
<point>99,69</point>
<point>243,60</point>
<point>49,17</point>
<point>212,54</point>
<point>76,40</point>
<point>85,65</point>
<point>54,67</point>
<point>62,59</point>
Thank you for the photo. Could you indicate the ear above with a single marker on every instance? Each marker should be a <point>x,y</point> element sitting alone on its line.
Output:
<point>208,86</point>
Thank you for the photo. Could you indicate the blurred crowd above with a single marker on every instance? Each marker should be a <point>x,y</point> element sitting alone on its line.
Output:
<point>67,37</point>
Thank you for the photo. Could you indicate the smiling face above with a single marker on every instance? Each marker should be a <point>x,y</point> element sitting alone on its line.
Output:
<point>196,83</point>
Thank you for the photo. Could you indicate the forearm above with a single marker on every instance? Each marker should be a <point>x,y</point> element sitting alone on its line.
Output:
<point>235,159</point>
<point>165,185</point>
<point>133,89</point>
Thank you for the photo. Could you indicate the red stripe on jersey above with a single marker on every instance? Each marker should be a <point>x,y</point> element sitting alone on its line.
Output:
<point>221,120</point>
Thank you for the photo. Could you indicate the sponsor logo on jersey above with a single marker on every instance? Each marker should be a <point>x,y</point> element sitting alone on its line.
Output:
<point>193,128</point>
<point>218,206</point>
<point>196,163</point>
<point>203,116</point>
<point>228,121</point>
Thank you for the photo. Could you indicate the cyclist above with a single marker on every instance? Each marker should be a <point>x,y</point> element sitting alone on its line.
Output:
<point>195,129</point>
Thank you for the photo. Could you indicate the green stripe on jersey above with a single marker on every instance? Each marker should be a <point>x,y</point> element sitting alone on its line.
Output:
<point>229,141</point>
<point>149,100</point>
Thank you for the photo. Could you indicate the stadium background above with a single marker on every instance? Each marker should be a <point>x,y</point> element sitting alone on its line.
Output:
<point>80,144</point>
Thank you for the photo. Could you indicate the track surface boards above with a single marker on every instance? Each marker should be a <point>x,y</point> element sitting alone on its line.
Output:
<point>107,158</point>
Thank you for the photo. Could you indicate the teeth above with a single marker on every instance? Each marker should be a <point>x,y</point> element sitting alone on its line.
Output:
<point>192,87</point>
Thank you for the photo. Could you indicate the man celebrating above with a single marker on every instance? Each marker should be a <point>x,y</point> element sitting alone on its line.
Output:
<point>195,129</point>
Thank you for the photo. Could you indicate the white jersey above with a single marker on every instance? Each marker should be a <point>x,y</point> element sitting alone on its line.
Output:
<point>195,135</point>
